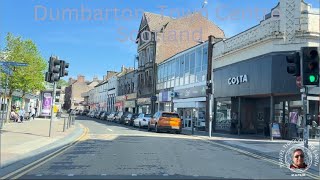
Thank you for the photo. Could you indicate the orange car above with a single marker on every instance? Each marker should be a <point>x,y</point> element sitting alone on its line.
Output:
<point>165,121</point>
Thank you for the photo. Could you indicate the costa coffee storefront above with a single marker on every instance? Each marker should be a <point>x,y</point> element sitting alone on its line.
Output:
<point>252,94</point>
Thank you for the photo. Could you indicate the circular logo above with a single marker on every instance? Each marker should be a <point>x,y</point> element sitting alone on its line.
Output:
<point>293,160</point>
<point>298,158</point>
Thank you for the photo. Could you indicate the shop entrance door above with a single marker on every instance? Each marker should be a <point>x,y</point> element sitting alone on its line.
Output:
<point>187,121</point>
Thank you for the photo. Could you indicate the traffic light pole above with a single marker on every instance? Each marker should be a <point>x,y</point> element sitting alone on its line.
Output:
<point>305,112</point>
<point>53,101</point>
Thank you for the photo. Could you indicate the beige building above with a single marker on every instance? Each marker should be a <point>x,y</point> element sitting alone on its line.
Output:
<point>161,37</point>
<point>73,98</point>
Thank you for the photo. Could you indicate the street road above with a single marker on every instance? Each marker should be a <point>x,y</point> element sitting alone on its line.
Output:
<point>117,151</point>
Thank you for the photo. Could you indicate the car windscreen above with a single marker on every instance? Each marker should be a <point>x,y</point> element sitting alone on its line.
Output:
<point>147,115</point>
<point>170,115</point>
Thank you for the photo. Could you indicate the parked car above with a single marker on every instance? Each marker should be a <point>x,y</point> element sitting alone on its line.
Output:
<point>118,116</point>
<point>142,120</point>
<point>125,119</point>
<point>133,117</point>
<point>79,112</point>
<point>92,113</point>
<point>110,117</point>
<point>97,114</point>
<point>165,121</point>
<point>103,115</point>
<point>85,112</point>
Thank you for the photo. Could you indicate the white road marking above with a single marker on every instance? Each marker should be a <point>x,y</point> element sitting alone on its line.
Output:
<point>70,174</point>
<point>165,175</point>
<point>110,129</point>
<point>39,175</point>
<point>134,174</point>
<point>103,174</point>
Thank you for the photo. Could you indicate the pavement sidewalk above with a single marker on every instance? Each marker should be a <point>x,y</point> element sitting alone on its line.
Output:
<point>259,145</point>
<point>23,140</point>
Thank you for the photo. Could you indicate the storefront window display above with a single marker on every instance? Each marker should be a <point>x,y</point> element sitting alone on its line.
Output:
<point>223,116</point>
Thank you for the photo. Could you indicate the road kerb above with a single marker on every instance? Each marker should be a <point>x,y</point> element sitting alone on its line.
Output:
<point>24,170</point>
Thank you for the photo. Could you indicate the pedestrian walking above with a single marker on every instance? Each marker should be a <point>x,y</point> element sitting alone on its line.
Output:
<point>33,113</point>
<point>21,114</point>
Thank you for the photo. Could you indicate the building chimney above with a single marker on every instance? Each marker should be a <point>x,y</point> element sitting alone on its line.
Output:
<point>95,78</point>
<point>80,78</point>
<point>123,68</point>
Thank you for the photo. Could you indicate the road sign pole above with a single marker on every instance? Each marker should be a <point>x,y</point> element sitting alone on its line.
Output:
<point>305,108</point>
<point>5,109</point>
<point>53,101</point>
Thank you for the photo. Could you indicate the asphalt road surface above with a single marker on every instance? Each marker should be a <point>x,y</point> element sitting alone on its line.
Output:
<point>121,152</point>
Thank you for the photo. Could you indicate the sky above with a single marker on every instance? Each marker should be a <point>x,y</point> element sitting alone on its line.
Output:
<point>102,36</point>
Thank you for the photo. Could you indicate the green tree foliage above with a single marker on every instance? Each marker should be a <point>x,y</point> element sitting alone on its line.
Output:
<point>62,83</point>
<point>26,79</point>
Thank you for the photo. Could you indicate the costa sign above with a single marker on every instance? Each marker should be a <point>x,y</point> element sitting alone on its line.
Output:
<point>238,79</point>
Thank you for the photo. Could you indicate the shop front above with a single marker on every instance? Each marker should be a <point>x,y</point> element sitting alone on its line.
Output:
<point>144,105</point>
<point>252,96</point>
<point>190,103</point>
<point>165,101</point>
<point>130,103</point>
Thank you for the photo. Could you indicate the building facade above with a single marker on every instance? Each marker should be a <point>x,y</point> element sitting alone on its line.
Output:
<point>252,90</point>
<point>73,93</point>
<point>181,85</point>
<point>127,88</point>
<point>161,37</point>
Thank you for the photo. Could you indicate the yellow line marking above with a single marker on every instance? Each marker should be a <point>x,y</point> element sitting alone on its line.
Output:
<point>257,156</point>
<point>18,173</point>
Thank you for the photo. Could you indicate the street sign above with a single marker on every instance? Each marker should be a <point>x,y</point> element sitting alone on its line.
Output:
<point>313,98</point>
<point>153,98</point>
<point>314,90</point>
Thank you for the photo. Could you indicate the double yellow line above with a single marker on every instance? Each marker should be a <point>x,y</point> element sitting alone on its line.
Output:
<point>257,156</point>
<point>22,171</point>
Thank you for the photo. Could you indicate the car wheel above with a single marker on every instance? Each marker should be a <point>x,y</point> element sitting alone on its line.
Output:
<point>156,128</point>
<point>178,132</point>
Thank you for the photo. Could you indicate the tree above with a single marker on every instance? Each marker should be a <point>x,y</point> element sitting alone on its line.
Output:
<point>26,79</point>
<point>62,83</point>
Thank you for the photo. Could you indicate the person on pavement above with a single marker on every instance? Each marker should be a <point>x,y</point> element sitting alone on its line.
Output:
<point>298,160</point>
<point>14,116</point>
<point>33,113</point>
<point>21,114</point>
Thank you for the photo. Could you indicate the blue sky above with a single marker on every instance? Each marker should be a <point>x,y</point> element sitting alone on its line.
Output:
<point>93,45</point>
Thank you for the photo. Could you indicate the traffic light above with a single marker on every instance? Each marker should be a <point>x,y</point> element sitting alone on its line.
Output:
<point>63,66</point>
<point>310,66</point>
<point>293,61</point>
<point>53,73</point>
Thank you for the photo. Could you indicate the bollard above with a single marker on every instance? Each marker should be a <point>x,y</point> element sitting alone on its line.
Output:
<point>68,123</point>
<point>64,124</point>
<point>73,119</point>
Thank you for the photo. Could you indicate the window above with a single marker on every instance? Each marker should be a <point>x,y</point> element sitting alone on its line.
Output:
<point>132,87</point>
<point>151,53</point>
<point>177,68</point>
<point>187,68</point>
<point>147,55</point>
<point>205,59</point>
<point>198,60</point>
<point>192,67</point>
<point>146,76</point>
